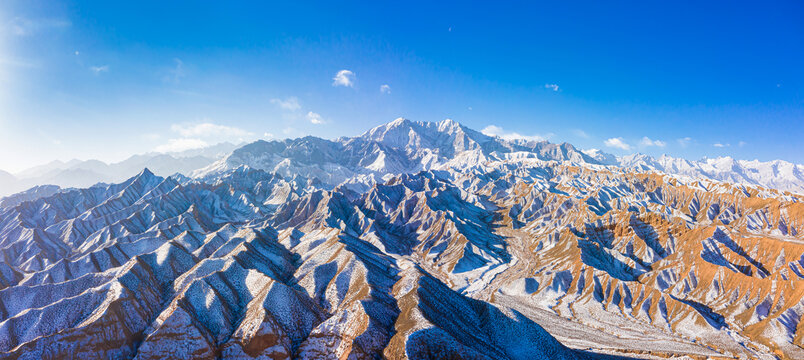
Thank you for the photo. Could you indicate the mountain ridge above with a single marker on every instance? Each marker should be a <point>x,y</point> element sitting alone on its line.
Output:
<point>400,146</point>
<point>482,251</point>
<point>433,145</point>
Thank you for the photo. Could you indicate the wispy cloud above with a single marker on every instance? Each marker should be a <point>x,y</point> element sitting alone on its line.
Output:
<point>177,72</point>
<point>18,63</point>
<point>618,143</point>
<point>344,78</point>
<point>553,87</point>
<point>179,145</point>
<point>208,129</point>
<point>684,142</point>
<point>741,143</point>
<point>315,118</point>
<point>385,89</point>
<point>21,26</point>
<point>646,142</point>
<point>290,104</point>
<point>494,130</point>
<point>200,135</point>
<point>97,70</point>
<point>720,145</point>
<point>580,133</point>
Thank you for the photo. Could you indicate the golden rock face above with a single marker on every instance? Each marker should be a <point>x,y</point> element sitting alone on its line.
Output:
<point>710,264</point>
<point>509,261</point>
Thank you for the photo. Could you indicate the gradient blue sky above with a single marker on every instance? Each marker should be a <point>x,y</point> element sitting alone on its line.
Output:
<point>105,80</point>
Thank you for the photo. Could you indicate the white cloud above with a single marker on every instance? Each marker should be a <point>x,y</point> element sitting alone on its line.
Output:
<point>177,72</point>
<point>99,69</point>
<point>646,141</point>
<point>209,130</point>
<point>20,26</point>
<point>200,135</point>
<point>684,142</point>
<point>617,143</point>
<point>580,133</point>
<point>268,135</point>
<point>493,130</point>
<point>385,89</point>
<point>291,103</point>
<point>178,145</point>
<point>344,78</point>
<point>741,143</point>
<point>314,118</point>
<point>553,87</point>
<point>721,145</point>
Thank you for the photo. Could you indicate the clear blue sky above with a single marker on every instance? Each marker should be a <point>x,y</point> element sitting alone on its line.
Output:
<point>98,79</point>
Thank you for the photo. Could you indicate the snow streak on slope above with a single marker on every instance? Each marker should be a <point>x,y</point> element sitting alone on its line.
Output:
<point>401,146</point>
<point>478,248</point>
<point>150,268</point>
<point>404,146</point>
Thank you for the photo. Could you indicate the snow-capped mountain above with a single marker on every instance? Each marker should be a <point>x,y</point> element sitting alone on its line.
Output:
<point>412,240</point>
<point>398,147</point>
<point>404,146</point>
<point>401,146</point>
<point>517,258</point>
<point>776,174</point>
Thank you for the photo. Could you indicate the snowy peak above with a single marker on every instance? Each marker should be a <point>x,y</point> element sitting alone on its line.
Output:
<point>405,146</point>
<point>514,259</point>
<point>414,240</point>
<point>400,146</point>
<point>446,137</point>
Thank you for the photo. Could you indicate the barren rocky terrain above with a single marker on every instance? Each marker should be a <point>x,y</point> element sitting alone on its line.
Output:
<point>414,240</point>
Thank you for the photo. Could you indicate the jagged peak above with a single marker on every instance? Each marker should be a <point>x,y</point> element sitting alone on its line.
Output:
<point>398,121</point>
<point>448,124</point>
<point>146,173</point>
<point>145,176</point>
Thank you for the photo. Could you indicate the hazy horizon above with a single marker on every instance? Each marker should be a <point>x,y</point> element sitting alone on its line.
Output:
<point>490,131</point>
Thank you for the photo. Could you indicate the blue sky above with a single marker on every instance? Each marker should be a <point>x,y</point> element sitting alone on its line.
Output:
<point>95,79</point>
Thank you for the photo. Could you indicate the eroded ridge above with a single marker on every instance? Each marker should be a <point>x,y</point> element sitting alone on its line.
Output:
<point>514,259</point>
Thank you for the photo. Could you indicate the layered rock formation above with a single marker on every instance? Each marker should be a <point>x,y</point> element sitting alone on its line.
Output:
<point>512,255</point>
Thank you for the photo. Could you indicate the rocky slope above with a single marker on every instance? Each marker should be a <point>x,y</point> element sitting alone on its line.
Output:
<point>525,252</point>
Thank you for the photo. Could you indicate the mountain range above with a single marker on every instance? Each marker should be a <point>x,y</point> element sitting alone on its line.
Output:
<point>78,173</point>
<point>401,146</point>
<point>414,240</point>
<point>404,146</point>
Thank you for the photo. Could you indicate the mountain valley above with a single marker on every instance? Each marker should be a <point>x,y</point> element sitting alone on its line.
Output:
<point>414,240</point>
